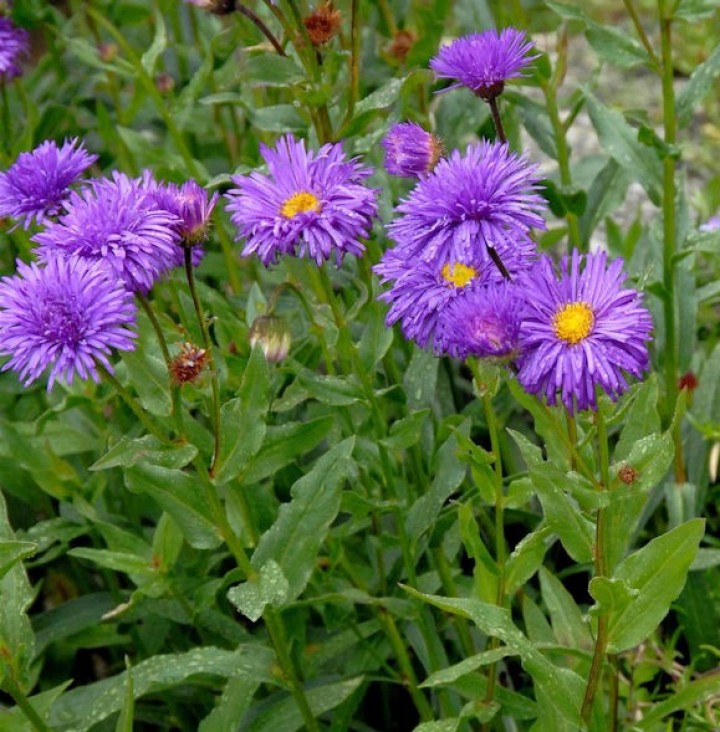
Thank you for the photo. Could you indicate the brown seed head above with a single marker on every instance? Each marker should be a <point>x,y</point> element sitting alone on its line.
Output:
<point>322,24</point>
<point>402,42</point>
<point>627,474</point>
<point>188,364</point>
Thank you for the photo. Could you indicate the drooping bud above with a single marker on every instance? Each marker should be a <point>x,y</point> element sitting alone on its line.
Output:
<point>322,24</point>
<point>217,7</point>
<point>272,335</point>
<point>410,151</point>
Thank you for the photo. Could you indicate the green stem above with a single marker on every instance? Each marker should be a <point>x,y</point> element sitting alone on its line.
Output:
<point>248,13</point>
<point>354,92</point>
<point>601,570</point>
<point>500,544</point>
<point>655,61</point>
<point>152,91</point>
<point>147,422</point>
<point>497,121</point>
<point>403,659</point>
<point>208,345</point>
<point>13,688</point>
<point>174,388</point>
<point>6,116</point>
<point>669,240</point>
<point>563,159</point>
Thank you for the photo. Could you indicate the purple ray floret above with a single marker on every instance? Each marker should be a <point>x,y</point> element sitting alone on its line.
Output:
<point>312,204</point>
<point>483,62</point>
<point>13,46</point>
<point>581,330</point>
<point>486,197</point>
<point>484,324</point>
<point>67,315</point>
<point>119,223</point>
<point>37,184</point>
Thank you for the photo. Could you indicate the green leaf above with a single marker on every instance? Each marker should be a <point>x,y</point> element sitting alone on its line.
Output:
<point>128,451</point>
<point>242,420</point>
<point>562,513</point>
<point>150,57</point>
<point>691,696</point>
<point>565,688</point>
<point>376,338</point>
<point>444,725</point>
<point>610,595</point>
<point>279,118</point>
<point>568,11</point>
<point>295,538</point>
<point>657,573</point>
<point>382,98</point>
<point>701,83</point>
<point>181,495</point>
<point>692,10</point>
<point>148,372</point>
<point>616,47</point>
<point>452,673</point>
<point>449,474</point>
<point>269,69</point>
<point>14,719</point>
<point>606,193</point>
<point>567,621</point>
<point>228,712</point>
<point>284,714</point>
<point>12,552</point>
<point>125,720</point>
<point>83,707</point>
<point>129,564</point>
<point>269,587</point>
<point>642,418</point>
<point>406,432</point>
<point>620,141</point>
<point>420,379</point>
<point>526,558</point>
<point>16,636</point>
<point>284,445</point>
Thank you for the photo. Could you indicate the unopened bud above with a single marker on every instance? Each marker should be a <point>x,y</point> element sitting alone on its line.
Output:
<point>217,7</point>
<point>272,335</point>
<point>107,51</point>
<point>164,83</point>
<point>411,151</point>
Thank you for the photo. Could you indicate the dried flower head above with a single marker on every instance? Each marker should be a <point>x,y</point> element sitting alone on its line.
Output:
<point>187,366</point>
<point>323,23</point>
<point>312,204</point>
<point>581,330</point>
<point>66,316</point>
<point>402,43</point>
<point>627,474</point>
<point>37,184</point>
<point>410,151</point>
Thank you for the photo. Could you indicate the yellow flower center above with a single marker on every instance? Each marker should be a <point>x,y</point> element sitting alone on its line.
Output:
<point>299,203</point>
<point>458,275</point>
<point>574,322</point>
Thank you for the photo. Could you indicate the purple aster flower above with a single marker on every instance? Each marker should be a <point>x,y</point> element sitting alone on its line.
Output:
<point>190,205</point>
<point>36,185</point>
<point>116,221</point>
<point>485,323</point>
<point>410,151</point>
<point>483,62</point>
<point>712,224</point>
<point>486,197</point>
<point>67,316</point>
<point>422,291</point>
<point>581,330</point>
<point>13,45</point>
<point>311,205</point>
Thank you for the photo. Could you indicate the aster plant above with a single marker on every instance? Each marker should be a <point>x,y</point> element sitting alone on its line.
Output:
<point>581,330</point>
<point>118,222</point>
<point>311,204</point>
<point>36,187</point>
<point>65,316</point>
<point>411,151</point>
<point>484,202</point>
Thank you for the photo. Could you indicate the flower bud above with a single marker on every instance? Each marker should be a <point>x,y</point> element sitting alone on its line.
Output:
<point>272,335</point>
<point>410,151</point>
<point>322,24</point>
<point>186,367</point>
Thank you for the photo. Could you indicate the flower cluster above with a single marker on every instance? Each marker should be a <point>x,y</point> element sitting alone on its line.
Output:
<point>464,275</point>
<point>98,244</point>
